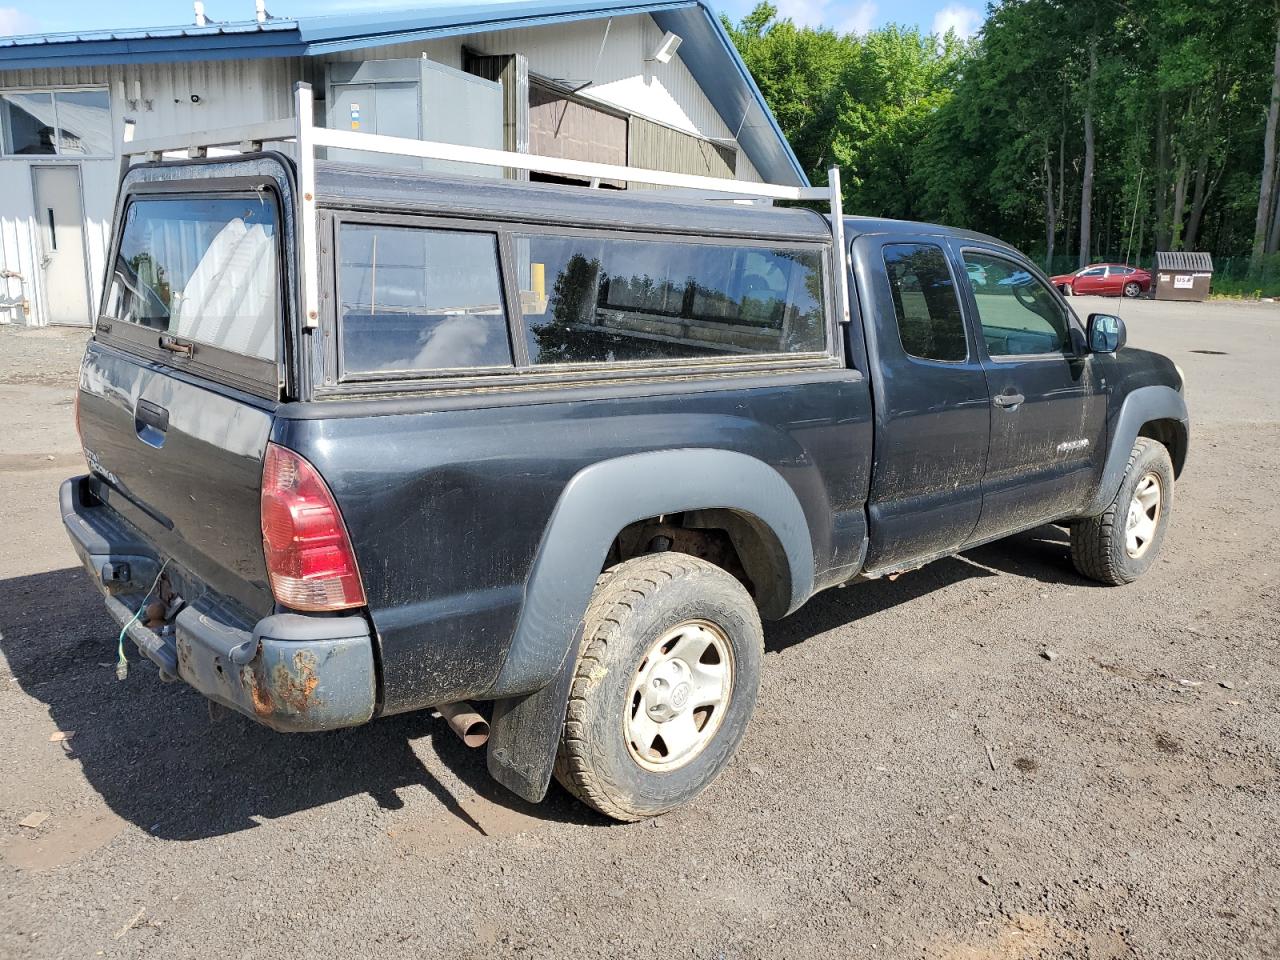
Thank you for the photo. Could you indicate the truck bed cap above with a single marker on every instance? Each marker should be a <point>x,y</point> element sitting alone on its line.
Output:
<point>408,191</point>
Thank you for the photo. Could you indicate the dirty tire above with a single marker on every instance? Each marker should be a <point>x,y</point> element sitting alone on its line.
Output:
<point>1098,544</point>
<point>635,603</point>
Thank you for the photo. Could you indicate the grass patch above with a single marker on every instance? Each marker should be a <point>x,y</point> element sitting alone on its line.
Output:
<point>1249,288</point>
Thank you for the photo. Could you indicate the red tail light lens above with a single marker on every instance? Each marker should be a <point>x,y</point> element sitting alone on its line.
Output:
<point>309,558</point>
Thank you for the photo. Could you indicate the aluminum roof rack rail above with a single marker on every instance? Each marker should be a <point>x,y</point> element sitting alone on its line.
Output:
<point>308,137</point>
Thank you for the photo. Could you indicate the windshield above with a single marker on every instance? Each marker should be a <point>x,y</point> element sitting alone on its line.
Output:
<point>203,269</point>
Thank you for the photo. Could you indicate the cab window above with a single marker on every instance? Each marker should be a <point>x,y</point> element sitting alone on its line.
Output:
<point>930,324</point>
<point>1020,315</point>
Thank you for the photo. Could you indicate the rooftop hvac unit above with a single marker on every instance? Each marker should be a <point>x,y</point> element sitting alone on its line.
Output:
<point>417,100</point>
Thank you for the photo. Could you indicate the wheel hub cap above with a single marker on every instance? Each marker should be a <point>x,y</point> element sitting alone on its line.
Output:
<point>678,695</point>
<point>1144,515</point>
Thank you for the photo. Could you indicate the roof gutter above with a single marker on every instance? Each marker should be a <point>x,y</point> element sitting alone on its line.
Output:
<point>83,53</point>
<point>750,83</point>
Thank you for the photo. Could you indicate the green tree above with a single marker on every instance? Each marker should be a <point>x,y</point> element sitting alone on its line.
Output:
<point>860,102</point>
<point>1076,129</point>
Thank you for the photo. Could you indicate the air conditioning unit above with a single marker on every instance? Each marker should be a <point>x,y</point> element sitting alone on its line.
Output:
<point>419,100</point>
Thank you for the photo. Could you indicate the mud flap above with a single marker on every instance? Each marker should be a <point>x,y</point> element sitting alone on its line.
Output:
<point>526,734</point>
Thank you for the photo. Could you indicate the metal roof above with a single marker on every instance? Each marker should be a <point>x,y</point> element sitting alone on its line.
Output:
<point>707,51</point>
<point>1186,260</point>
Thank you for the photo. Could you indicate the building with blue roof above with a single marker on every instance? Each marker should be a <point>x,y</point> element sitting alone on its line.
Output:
<point>655,85</point>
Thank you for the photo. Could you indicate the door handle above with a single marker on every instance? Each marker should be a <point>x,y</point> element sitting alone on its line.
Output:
<point>174,345</point>
<point>1009,400</point>
<point>150,421</point>
<point>153,415</point>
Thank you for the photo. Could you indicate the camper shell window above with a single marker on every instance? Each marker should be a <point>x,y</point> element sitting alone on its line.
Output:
<point>201,269</point>
<point>591,299</point>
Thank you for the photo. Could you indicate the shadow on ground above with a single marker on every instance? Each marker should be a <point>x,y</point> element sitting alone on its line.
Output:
<point>158,760</point>
<point>1042,554</point>
<point>152,752</point>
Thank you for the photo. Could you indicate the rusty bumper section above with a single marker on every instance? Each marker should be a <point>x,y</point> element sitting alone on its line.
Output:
<point>291,672</point>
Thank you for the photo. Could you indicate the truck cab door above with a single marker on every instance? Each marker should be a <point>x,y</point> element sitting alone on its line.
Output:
<point>931,401</point>
<point>1048,397</point>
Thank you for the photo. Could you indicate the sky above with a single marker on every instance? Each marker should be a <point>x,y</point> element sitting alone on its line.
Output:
<point>54,16</point>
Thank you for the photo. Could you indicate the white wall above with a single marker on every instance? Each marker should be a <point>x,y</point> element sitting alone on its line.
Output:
<point>246,91</point>
<point>230,92</point>
<point>571,52</point>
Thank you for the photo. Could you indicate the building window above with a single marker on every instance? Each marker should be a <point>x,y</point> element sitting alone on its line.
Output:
<point>74,123</point>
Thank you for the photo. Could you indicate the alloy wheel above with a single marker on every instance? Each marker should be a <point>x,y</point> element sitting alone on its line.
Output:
<point>679,696</point>
<point>1144,515</point>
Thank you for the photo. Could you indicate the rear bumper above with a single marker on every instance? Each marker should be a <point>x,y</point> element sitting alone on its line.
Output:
<point>289,671</point>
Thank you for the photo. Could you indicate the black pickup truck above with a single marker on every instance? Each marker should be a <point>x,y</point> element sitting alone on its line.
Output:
<point>559,451</point>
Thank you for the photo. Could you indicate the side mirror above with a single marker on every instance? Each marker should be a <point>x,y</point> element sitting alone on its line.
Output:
<point>1106,333</point>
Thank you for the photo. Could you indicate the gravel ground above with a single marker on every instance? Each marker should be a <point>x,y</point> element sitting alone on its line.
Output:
<point>920,779</point>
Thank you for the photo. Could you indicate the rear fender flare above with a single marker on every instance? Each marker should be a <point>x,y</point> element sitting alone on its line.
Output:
<point>604,498</point>
<point>1139,408</point>
<point>532,690</point>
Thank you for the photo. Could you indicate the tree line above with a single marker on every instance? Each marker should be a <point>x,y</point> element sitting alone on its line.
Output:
<point>1078,130</point>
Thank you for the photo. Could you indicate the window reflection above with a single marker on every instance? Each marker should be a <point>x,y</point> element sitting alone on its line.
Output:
<point>203,270</point>
<point>84,122</point>
<point>420,300</point>
<point>930,324</point>
<point>29,123</point>
<point>69,122</point>
<point>590,299</point>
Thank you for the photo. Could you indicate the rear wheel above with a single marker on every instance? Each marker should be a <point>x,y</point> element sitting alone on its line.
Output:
<point>1118,546</point>
<point>1132,289</point>
<point>665,685</point>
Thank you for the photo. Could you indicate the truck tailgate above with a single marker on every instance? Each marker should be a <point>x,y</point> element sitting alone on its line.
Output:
<point>182,461</point>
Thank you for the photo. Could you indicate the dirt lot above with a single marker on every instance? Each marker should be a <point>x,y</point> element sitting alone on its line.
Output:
<point>919,780</point>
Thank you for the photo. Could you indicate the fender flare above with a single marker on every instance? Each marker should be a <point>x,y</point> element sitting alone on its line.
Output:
<point>532,688</point>
<point>1139,408</point>
<point>598,502</point>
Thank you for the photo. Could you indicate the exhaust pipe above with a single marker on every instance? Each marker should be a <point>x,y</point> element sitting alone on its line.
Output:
<point>471,728</point>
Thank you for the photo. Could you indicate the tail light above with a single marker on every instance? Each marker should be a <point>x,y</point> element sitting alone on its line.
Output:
<point>309,558</point>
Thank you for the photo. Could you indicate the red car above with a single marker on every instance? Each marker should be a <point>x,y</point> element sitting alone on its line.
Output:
<point>1104,280</point>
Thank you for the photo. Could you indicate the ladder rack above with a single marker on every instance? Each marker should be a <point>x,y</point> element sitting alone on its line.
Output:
<point>308,137</point>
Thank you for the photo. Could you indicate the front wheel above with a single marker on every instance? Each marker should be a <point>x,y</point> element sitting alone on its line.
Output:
<point>1132,289</point>
<point>666,683</point>
<point>1119,545</point>
<point>1068,290</point>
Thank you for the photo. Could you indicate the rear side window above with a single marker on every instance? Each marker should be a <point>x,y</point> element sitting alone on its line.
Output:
<point>930,324</point>
<point>201,269</point>
<point>591,299</point>
<point>418,300</point>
